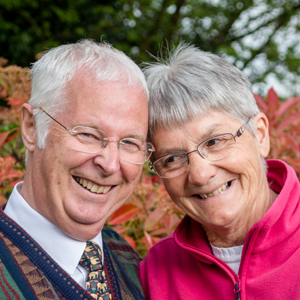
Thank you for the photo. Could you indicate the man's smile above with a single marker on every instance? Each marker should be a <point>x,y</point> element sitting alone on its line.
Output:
<point>94,188</point>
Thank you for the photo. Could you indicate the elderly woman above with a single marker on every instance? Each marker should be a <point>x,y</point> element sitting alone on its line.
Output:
<point>240,238</point>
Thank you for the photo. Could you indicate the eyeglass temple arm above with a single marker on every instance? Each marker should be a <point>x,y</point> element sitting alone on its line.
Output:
<point>41,108</point>
<point>241,129</point>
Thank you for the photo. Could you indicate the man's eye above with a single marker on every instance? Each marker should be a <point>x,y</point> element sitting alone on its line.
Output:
<point>131,144</point>
<point>127,142</point>
<point>87,136</point>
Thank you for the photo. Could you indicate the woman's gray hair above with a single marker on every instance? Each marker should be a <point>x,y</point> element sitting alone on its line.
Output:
<point>190,83</point>
<point>56,68</point>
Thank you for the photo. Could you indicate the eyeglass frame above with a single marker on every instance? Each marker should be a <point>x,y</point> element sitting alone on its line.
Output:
<point>105,139</point>
<point>239,132</point>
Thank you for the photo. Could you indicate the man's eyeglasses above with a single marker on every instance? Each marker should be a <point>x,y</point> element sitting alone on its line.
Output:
<point>215,148</point>
<point>91,140</point>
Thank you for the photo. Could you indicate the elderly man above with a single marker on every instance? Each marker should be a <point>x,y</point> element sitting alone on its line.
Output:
<point>84,129</point>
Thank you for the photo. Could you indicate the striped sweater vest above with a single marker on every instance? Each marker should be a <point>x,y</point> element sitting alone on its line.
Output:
<point>28,272</point>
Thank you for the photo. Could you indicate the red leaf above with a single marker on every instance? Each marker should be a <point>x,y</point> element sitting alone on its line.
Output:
<point>3,137</point>
<point>289,120</point>
<point>154,217</point>
<point>12,136</point>
<point>287,104</point>
<point>148,239</point>
<point>15,174</point>
<point>174,221</point>
<point>160,231</point>
<point>15,182</point>
<point>6,166</point>
<point>155,178</point>
<point>14,101</point>
<point>261,103</point>
<point>129,240</point>
<point>272,98</point>
<point>123,214</point>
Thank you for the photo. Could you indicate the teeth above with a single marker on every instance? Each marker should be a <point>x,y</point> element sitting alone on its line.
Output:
<point>100,190</point>
<point>224,187</point>
<point>94,188</point>
<point>216,192</point>
<point>106,189</point>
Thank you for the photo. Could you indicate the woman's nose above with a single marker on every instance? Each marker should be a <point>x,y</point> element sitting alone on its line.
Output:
<point>199,169</point>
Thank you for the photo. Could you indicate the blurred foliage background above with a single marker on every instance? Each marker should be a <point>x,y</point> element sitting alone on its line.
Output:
<point>149,214</point>
<point>261,37</point>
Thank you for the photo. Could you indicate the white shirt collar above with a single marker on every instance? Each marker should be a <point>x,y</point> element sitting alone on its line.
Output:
<point>46,234</point>
<point>231,256</point>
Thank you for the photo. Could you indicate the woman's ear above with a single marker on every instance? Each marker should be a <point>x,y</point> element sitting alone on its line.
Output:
<point>28,129</point>
<point>262,133</point>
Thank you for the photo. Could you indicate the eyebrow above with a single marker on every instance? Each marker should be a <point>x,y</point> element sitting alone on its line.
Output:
<point>165,151</point>
<point>136,136</point>
<point>213,128</point>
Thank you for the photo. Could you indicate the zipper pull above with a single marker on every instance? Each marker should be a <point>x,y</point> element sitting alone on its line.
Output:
<point>237,291</point>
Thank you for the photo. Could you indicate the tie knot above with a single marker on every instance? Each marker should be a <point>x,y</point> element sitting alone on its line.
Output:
<point>91,258</point>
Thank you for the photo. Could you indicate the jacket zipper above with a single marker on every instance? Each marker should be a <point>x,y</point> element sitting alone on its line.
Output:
<point>237,290</point>
<point>252,237</point>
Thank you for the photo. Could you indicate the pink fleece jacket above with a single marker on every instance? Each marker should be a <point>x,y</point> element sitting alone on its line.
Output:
<point>182,266</point>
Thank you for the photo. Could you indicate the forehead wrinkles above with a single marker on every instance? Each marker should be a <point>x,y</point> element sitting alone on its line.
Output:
<point>197,134</point>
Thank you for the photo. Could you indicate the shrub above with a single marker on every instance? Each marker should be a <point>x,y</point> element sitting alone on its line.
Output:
<point>149,214</point>
<point>14,90</point>
<point>284,123</point>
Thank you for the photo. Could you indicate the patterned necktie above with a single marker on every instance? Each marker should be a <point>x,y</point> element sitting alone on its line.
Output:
<point>96,282</point>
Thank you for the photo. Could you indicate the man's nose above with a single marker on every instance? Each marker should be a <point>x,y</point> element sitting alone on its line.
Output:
<point>109,157</point>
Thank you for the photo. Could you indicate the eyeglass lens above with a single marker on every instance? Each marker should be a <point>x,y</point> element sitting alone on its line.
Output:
<point>91,140</point>
<point>213,149</point>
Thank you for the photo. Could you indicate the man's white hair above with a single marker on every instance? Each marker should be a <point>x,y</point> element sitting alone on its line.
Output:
<point>56,68</point>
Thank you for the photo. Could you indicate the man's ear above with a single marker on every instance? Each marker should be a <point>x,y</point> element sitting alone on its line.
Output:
<point>262,133</point>
<point>28,129</point>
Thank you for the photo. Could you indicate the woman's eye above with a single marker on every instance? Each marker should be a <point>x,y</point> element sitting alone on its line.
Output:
<point>172,159</point>
<point>213,142</point>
